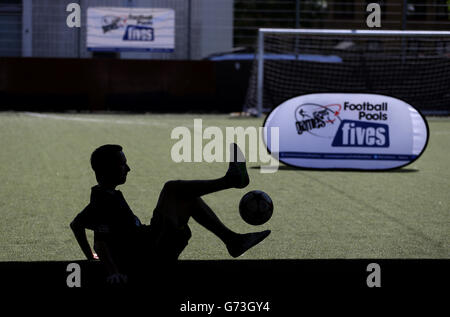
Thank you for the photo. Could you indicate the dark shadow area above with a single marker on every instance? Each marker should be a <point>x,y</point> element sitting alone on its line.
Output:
<point>286,286</point>
<point>292,168</point>
<point>237,277</point>
<point>110,84</point>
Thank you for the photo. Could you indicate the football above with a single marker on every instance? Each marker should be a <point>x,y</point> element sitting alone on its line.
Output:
<point>256,207</point>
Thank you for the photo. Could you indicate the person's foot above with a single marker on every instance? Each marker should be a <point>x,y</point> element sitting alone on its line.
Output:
<point>237,171</point>
<point>246,241</point>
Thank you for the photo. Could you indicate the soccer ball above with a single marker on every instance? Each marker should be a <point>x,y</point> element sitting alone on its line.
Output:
<point>256,207</point>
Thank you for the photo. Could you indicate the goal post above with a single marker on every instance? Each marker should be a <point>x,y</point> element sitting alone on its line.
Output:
<point>410,65</point>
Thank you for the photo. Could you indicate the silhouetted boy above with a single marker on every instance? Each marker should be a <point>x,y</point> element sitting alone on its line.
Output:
<point>123,243</point>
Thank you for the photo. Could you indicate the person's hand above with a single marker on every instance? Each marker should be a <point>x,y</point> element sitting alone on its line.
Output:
<point>93,257</point>
<point>117,279</point>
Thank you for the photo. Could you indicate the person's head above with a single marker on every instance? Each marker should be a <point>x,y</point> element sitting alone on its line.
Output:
<point>110,165</point>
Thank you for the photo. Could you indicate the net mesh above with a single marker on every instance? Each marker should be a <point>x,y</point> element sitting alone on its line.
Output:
<point>413,68</point>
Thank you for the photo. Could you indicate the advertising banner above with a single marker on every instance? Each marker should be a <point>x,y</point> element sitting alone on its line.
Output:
<point>347,131</point>
<point>130,29</point>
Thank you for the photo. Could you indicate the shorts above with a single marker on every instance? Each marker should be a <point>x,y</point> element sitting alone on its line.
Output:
<point>161,241</point>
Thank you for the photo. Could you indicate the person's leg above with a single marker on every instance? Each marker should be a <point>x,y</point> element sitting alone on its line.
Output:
<point>235,177</point>
<point>178,208</point>
<point>177,195</point>
<point>206,217</point>
<point>236,243</point>
<point>172,214</point>
<point>180,199</point>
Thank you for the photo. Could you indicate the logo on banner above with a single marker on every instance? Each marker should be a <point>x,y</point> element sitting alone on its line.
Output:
<point>112,22</point>
<point>139,33</point>
<point>354,131</point>
<point>361,134</point>
<point>315,119</point>
<point>363,108</point>
<point>137,27</point>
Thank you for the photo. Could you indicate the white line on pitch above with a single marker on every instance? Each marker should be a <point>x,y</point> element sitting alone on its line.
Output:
<point>50,116</point>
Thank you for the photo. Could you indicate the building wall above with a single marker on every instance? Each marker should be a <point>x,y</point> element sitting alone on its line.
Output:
<point>51,36</point>
<point>213,27</point>
<point>10,28</point>
<point>202,27</point>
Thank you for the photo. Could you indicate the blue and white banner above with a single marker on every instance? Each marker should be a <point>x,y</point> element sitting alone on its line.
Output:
<point>130,29</point>
<point>347,131</point>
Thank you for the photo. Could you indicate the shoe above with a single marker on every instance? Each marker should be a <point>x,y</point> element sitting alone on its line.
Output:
<point>245,242</point>
<point>237,170</point>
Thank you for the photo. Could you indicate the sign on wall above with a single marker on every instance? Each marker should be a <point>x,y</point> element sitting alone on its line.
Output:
<point>130,29</point>
<point>348,131</point>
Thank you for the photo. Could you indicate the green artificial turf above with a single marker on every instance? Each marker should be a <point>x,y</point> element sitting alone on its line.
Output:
<point>46,180</point>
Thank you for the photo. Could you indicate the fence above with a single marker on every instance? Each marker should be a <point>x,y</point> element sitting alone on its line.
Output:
<point>203,27</point>
<point>335,14</point>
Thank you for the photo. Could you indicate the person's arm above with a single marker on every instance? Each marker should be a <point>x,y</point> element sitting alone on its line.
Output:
<point>80,234</point>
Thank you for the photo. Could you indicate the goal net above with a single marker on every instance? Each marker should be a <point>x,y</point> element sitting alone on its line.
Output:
<point>410,65</point>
